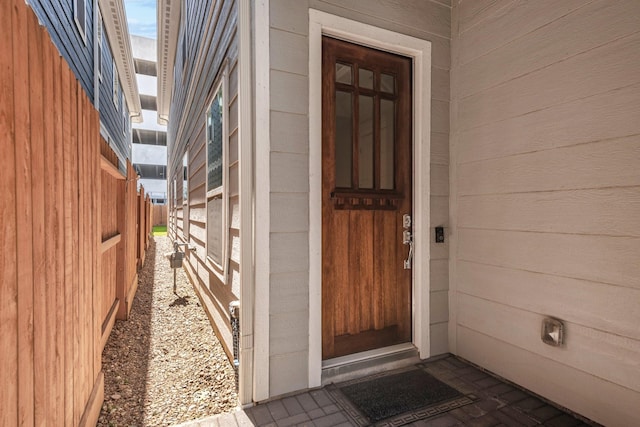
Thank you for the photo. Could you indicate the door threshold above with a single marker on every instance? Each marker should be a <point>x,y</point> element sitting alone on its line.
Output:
<point>370,362</point>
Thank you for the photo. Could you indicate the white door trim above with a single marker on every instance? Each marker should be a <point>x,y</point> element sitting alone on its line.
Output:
<point>321,23</point>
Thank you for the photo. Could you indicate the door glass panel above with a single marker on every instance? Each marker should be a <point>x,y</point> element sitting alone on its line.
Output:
<point>344,143</point>
<point>387,137</point>
<point>343,73</point>
<point>387,83</point>
<point>365,142</point>
<point>365,78</point>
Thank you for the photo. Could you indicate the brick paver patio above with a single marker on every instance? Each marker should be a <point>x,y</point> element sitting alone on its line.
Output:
<point>498,404</point>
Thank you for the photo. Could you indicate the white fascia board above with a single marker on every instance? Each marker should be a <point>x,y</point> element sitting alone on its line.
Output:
<point>168,29</point>
<point>115,24</point>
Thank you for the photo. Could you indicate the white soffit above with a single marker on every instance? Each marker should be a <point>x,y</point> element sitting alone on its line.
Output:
<point>115,23</point>
<point>168,28</point>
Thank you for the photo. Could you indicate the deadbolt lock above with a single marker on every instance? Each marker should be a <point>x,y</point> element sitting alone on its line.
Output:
<point>406,221</point>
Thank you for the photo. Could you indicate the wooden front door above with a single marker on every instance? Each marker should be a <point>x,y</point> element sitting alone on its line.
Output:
<point>366,193</point>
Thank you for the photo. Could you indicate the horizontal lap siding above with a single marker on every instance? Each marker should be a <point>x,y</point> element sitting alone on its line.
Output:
<point>289,198</point>
<point>110,116</point>
<point>211,45</point>
<point>57,17</point>
<point>546,197</point>
<point>288,241</point>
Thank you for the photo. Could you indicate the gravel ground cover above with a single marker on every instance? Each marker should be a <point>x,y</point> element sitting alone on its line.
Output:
<point>164,365</point>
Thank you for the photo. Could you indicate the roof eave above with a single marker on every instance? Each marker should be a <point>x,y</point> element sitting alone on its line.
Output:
<point>168,29</point>
<point>115,23</point>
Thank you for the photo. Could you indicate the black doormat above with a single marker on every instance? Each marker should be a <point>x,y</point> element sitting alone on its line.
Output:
<point>395,399</point>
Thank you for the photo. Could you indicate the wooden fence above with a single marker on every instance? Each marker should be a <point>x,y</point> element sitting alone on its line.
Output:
<point>69,234</point>
<point>121,223</point>
<point>144,226</point>
<point>159,215</point>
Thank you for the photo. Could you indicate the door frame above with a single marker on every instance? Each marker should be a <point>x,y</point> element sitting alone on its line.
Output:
<point>321,23</point>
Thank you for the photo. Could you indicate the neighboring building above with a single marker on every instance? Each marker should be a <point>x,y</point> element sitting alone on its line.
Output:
<point>149,149</point>
<point>316,132</point>
<point>93,38</point>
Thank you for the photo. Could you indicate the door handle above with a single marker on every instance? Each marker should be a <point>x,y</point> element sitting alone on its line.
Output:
<point>407,262</point>
<point>407,239</point>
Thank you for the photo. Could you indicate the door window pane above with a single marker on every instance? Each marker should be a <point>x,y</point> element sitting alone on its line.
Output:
<point>387,131</point>
<point>365,142</point>
<point>343,73</point>
<point>387,83</point>
<point>344,135</point>
<point>365,78</point>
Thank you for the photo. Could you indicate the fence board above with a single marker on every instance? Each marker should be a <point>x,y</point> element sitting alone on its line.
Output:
<point>159,215</point>
<point>129,284</point>
<point>8,249</point>
<point>36,115</point>
<point>66,81</point>
<point>58,203</point>
<point>76,276</point>
<point>121,274</point>
<point>96,218</point>
<point>51,231</point>
<point>83,345</point>
<point>25,216</point>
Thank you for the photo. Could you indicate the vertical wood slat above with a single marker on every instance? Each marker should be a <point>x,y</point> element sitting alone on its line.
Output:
<point>130,248</point>
<point>51,231</point>
<point>25,215</point>
<point>8,222</point>
<point>66,80</point>
<point>37,200</point>
<point>59,206</point>
<point>96,182</point>
<point>159,216</point>
<point>81,349</point>
<point>74,252</point>
<point>121,272</point>
<point>130,242</point>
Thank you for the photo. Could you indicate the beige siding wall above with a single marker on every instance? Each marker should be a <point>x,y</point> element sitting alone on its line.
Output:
<point>545,184</point>
<point>289,238</point>
<point>212,51</point>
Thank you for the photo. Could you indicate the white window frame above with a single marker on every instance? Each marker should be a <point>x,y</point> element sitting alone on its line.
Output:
<point>125,122</point>
<point>185,178</point>
<point>82,28</point>
<point>185,195</point>
<point>116,85</point>
<point>220,270</point>
<point>184,42</point>
<point>99,36</point>
<point>175,206</point>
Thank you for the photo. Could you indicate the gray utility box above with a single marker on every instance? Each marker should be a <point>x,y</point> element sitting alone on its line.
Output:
<point>175,259</point>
